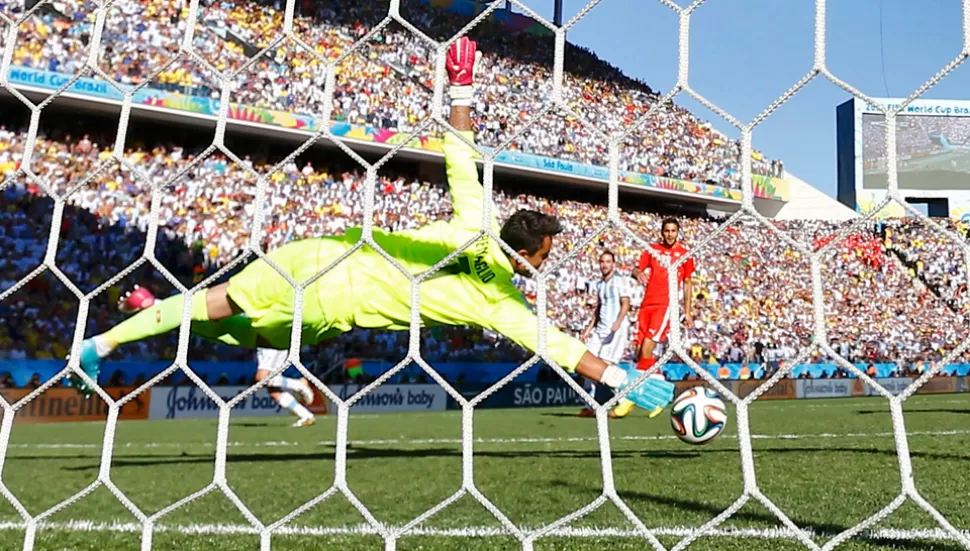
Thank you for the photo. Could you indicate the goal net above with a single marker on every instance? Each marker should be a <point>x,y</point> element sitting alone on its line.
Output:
<point>611,141</point>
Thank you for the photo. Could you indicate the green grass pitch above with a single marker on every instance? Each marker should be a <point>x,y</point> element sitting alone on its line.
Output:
<point>827,463</point>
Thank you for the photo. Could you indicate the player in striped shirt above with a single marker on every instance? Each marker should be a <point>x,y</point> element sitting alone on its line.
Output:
<point>654,317</point>
<point>255,308</point>
<point>608,333</point>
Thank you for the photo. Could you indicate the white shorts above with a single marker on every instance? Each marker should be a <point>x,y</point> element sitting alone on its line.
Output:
<point>269,359</point>
<point>610,350</point>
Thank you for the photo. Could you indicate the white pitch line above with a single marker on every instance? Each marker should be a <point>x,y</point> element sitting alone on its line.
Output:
<point>472,531</point>
<point>427,441</point>
<point>914,402</point>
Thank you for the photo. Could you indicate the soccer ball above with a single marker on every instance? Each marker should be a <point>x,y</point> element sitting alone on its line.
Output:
<point>698,415</point>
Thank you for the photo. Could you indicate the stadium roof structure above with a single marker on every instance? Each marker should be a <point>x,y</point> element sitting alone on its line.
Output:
<point>806,202</point>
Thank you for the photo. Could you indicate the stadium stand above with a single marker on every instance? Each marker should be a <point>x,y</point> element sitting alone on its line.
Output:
<point>388,84</point>
<point>931,257</point>
<point>754,298</point>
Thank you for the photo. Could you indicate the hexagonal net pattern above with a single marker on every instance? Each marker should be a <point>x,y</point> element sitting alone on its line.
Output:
<point>391,534</point>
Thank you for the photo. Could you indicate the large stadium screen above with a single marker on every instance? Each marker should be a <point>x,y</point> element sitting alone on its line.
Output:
<point>933,152</point>
<point>932,156</point>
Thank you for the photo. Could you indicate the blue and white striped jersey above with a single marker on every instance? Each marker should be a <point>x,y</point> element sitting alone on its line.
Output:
<point>609,292</point>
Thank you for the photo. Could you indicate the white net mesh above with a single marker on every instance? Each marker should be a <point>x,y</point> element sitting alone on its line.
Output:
<point>392,534</point>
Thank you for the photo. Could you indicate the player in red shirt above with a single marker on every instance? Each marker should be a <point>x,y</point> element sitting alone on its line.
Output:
<point>654,317</point>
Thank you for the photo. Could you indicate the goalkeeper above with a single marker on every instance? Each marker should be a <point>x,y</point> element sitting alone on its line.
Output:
<point>255,307</point>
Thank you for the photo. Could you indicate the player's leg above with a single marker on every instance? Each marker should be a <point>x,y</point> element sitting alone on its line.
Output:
<point>165,315</point>
<point>161,317</point>
<point>646,359</point>
<point>645,362</point>
<point>257,291</point>
<point>595,345</point>
<point>653,324</point>
<point>290,393</point>
<point>304,418</point>
<point>656,331</point>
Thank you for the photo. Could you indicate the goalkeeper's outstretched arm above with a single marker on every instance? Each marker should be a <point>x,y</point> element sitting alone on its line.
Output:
<point>467,195</point>
<point>512,318</point>
<point>529,234</point>
<point>461,119</point>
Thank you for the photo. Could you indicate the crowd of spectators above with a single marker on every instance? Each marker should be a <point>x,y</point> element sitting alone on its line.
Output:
<point>933,257</point>
<point>38,320</point>
<point>753,291</point>
<point>890,293</point>
<point>387,83</point>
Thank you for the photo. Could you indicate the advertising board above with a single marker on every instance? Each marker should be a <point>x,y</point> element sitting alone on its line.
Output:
<point>894,385</point>
<point>58,405</point>
<point>823,388</point>
<point>939,385</point>
<point>190,402</point>
<point>519,395</point>
<point>395,398</point>
<point>782,390</point>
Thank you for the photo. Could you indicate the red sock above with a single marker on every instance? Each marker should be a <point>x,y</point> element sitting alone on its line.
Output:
<point>646,363</point>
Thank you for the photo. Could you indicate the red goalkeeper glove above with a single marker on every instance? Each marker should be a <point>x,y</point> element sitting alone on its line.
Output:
<point>461,62</point>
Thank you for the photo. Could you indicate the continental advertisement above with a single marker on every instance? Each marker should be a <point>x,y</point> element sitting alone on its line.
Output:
<point>59,405</point>
<point>782,390</point>
<point>764,187</point>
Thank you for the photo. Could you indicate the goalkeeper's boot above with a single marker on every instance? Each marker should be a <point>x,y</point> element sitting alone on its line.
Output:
<point>90,364</point>
<point>586,412</point>
<point>652,395</point>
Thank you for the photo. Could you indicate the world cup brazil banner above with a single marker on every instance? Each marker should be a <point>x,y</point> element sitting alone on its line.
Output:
<point>764,187</point>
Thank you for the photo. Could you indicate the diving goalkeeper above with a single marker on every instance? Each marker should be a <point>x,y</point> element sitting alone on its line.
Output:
<point>255,307</point>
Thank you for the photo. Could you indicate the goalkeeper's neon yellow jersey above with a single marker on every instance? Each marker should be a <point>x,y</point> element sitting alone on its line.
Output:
<point>474,290</point>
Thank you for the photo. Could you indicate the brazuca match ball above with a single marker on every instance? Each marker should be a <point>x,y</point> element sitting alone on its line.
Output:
<point>698,415</point>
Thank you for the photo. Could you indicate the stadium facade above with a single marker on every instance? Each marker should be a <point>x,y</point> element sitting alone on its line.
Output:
<point>787,198</point>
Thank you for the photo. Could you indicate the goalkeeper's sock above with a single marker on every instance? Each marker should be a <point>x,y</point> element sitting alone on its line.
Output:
<point>158,319</point>
<point>288,401</point>
<point>645,364</point>
<point>286,383</point>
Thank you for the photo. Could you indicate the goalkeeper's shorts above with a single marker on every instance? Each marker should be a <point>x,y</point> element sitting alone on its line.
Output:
<point>267,299</point>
